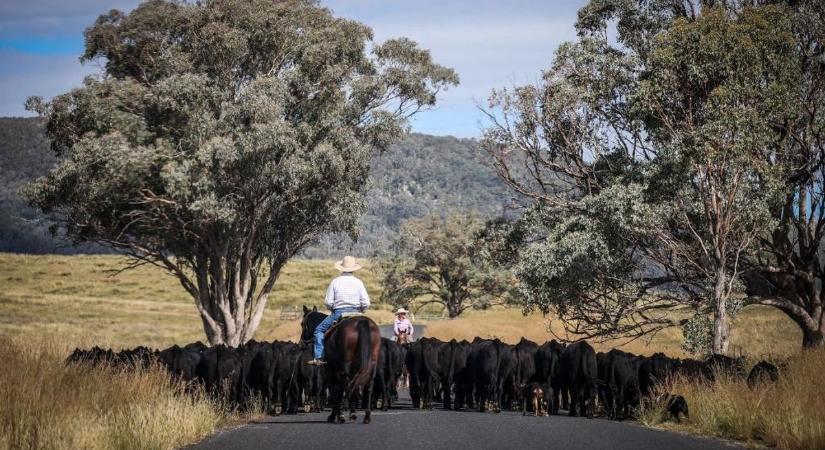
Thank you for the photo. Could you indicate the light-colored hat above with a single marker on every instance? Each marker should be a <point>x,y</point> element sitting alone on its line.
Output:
<point>401,311</point>
<point>347,264</point>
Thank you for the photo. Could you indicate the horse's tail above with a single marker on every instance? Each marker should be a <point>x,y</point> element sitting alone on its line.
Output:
<point>366,370</point>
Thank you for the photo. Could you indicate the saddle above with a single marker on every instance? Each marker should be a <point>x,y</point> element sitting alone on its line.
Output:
<point>344,316</point>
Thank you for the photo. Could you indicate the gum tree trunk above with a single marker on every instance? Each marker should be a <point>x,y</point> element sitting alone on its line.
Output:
<point>721,327</point>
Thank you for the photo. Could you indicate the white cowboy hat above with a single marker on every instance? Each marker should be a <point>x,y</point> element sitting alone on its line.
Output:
<point>401,311</point>
<point>347,264</point>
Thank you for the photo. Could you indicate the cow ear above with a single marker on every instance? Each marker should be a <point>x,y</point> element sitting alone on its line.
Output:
<point>314,309</point>
<point>306,310</point>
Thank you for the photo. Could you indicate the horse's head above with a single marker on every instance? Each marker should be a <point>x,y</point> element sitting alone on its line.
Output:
<point>309,322</point>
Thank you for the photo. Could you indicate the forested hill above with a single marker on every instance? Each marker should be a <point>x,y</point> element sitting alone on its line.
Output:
<point>420,175</point>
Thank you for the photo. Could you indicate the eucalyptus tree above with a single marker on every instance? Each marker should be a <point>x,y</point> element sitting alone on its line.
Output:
<point>786,270</point>
<point>649,164</point>
<point>712,89</point>
<point>222,137</point>
<point>438,260</point>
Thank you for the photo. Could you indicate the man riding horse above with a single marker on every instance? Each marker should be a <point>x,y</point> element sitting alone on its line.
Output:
<point>345,294</point>
<point>352,346</point>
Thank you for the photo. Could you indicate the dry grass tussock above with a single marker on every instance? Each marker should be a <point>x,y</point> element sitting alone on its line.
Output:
<point>46,404</point>
<point>786,414</point>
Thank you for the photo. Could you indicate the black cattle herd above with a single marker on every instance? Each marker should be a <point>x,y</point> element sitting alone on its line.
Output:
<point>485,374</point>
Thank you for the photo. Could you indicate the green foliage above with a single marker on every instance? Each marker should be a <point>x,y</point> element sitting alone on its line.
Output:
<point>413,177</point>
<point>229,135</point>
<point>698,332</point>
<point>567,265</point>
<point>437,262</point>
<point>652,164</point>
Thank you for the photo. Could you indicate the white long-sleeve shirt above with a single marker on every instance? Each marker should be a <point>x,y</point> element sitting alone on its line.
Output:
<point>347,291</point>
<point>404,326</point>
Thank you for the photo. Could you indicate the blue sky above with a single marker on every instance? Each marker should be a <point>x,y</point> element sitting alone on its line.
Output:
<point>489,43</point>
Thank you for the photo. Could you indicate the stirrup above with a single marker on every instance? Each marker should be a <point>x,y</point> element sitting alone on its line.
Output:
<point>316,362</point>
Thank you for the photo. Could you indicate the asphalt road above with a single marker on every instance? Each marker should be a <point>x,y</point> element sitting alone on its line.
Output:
<point>408,429</point>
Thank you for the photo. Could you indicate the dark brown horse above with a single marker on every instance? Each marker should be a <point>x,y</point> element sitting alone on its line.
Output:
<point>351,350</point>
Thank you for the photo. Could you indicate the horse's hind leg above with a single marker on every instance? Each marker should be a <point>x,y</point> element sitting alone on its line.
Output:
<point>337,394</point>
<point>368,398</point>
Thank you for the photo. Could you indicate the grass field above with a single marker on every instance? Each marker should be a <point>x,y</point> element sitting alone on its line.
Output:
<point>79,299</point>
<point>51,304</point>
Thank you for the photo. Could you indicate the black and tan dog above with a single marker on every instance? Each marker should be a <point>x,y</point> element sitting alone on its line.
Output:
<point>533,393</point>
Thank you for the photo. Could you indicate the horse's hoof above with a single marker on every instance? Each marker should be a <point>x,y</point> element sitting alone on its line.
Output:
<point>341,419</point>
<point>379,403</point>
<point>352,417</point>
<point>367,420</point>
<point>307,408</point>
<point>278,410</point>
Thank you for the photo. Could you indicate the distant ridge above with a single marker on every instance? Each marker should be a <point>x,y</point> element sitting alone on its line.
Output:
<point>421,174</point>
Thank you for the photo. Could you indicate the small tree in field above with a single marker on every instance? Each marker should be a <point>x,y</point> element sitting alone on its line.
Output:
<point>438,263</point>
<point>223,137</point>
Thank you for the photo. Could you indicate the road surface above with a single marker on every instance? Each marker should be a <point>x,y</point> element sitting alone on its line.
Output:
<point>408,429</point>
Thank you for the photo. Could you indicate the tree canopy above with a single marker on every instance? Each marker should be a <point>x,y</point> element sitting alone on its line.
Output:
<point>438,260</point>
<point>223,137</point>
<point>653,161</point>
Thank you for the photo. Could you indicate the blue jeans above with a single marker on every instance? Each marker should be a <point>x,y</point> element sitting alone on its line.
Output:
<point>325,325</point>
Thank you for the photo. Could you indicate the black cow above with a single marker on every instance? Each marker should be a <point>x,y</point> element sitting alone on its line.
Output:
<point>386,374</point>
<point>452,360</point>
<point>493,364</point>
<point>283,378</point>
<point>579,374</point>
<point>725,365</point>
<point>422,365</point>
<point>548,370</point>
<point>465,379</point>
<point>138,357</point>
<point>524,370</point>
<point>398,354</point>
<point>95,356</point>
<point>619,372</point>
<point>309,380</point>
<point>181,362</point>
<point>219,369</point>
<point>654,370</point>
<point>693,369</point>
<point>761,373</point>
<point>257,360</point>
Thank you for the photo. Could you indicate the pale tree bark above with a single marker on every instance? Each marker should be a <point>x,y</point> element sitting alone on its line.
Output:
<point>229,284</point>
<point>721,325</point>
